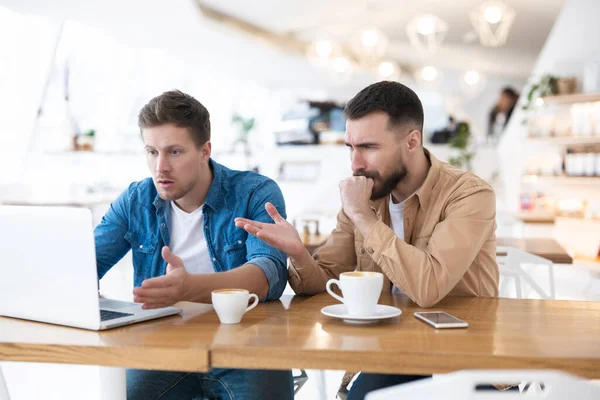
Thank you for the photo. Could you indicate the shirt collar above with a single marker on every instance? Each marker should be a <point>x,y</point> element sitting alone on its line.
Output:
<point>424,192</point>
<point>214,198</point>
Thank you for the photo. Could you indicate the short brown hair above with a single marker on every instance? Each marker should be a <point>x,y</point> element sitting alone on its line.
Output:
<point>180,109</point>
<point>399,102</point>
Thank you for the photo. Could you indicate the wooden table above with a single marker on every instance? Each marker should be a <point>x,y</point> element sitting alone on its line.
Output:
<point>173,343</point>
<point>544,247</point>
<point>177,343</point>
<point>503,333</point>
<point>292,333</point>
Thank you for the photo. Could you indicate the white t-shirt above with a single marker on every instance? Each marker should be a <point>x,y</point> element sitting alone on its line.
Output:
<point>188,242</point>
<point>397,217</point>
<point>397,224</point>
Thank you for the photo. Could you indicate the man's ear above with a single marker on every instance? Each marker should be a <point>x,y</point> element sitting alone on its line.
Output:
<point>414,140</point>
<point>206,151</point>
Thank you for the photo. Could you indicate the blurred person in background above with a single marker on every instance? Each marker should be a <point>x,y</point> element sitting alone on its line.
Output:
<point>501,112</point>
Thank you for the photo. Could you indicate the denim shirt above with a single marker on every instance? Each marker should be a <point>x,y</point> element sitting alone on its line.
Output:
<point>141,221</point>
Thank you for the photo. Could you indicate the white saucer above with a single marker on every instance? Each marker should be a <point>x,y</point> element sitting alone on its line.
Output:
<point>381,312</point>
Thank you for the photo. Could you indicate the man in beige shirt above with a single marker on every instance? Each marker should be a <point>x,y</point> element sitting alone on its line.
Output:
<point>429,227</point>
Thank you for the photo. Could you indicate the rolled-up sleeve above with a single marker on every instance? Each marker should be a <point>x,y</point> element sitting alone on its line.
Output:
<point>273,262</point>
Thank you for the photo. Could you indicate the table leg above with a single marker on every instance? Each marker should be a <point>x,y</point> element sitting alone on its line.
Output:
<point>320,383</point>
<point>113,385</point>
<point>3,389</point>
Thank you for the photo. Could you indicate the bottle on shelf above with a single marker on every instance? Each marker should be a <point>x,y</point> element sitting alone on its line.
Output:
<point>576,162</point>
<point>590,163</point>
<point>582,162</point>
<point>569,161</point>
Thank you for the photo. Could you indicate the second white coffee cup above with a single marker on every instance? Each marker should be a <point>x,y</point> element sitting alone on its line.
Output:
<point>360,291</point>
<point>232,304</point>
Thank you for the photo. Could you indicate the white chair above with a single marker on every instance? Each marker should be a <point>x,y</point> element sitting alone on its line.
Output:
<point>3,389</point>
<point>465,385</point>
<point>510,263</point>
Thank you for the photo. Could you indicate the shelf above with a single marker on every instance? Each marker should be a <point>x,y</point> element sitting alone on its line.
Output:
<point>572,98</point>
<point>563,180</point>
<point>564,140</point>
<point>536,217</point>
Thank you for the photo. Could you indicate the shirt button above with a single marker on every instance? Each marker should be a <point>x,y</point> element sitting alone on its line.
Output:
<point>214,259</point>
<point>361,251</point>
<point>163,225</point>
<point>370,250</point>
<point>141,247</point>
<point>239,242</point>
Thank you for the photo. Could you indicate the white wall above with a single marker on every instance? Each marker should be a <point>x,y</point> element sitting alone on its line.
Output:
<point>26,50</point>
<point>573,40</point>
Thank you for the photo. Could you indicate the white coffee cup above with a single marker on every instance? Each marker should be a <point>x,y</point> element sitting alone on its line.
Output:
<point>231,304</point>
<point>360,290</point>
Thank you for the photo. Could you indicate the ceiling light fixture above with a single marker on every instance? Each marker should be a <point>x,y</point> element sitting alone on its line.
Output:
<point>429,74</point>
<point>492,14</point>
<point>368,45</point>
<point>340,68</point>
<point>320,52</point>
<point>387,69</point>
<point>425,26</point>
<point>492,21</point>
<point>340,64</point>
<point>472,77</point>
<point>426,32</point>
<point>472,83</point>
<point>323,48</point>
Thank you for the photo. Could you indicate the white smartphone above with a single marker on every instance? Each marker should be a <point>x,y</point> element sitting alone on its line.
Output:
<point>440,319</point>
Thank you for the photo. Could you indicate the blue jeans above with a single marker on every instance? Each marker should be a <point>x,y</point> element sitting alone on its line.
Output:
<point>225,384</point>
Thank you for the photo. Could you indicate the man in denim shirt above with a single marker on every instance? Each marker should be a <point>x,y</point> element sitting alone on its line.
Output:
<point>179,225</point>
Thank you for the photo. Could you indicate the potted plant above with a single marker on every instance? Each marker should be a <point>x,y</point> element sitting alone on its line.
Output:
<point>547,85</point>
<point>460,141</point>
<point>245,126</point>
<point>85,140</point>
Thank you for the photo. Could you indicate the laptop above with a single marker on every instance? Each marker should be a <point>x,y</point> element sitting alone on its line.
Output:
<point>48,271</point>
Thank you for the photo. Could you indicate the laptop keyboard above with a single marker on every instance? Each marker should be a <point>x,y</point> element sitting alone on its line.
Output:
<point>106,315</point>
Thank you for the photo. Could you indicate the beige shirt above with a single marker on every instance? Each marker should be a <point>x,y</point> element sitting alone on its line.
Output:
<point>449,245</point>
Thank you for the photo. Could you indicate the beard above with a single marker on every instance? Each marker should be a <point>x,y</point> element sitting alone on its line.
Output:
<point>387,183</point>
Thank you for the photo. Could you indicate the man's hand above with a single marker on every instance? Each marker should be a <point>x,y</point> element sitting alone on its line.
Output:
<point>166,290</point>
<point>355,193</point>
<point>282,235</point>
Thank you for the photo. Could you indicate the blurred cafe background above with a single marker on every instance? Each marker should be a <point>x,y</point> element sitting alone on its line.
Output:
<point>510,88</point>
